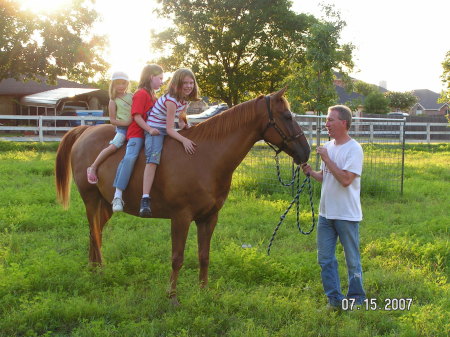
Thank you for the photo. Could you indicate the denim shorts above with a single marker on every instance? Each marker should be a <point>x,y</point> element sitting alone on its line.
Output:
<point>120,137</point>
<point>153,146</point>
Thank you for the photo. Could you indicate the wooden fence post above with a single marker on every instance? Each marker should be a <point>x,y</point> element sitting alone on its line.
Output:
<point>371,132</point>
<point>402,133</point>
<point>41,132</point>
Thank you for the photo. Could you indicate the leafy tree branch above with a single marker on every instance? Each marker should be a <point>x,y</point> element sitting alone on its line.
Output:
<point>51,45</point>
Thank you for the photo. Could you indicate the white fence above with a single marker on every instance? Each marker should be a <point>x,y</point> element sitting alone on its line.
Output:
<point>370,129</point>
<point>48,124</point>
<point>428,129</point>
<point>313,126</point>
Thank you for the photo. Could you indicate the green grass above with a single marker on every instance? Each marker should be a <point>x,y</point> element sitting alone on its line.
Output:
<point>48,289</point>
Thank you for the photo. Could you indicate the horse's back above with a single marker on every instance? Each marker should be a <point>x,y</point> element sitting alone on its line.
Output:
<point>182,181</point>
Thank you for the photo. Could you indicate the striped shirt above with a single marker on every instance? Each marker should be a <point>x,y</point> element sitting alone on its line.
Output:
<point>158,114</point>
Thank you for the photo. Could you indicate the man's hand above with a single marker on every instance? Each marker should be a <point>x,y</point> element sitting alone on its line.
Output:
<point>306,168</point>
<point>322,151</point>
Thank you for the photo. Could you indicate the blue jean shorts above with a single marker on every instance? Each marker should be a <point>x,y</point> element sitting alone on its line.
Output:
<point>120,137</point>
<point>153,146</point>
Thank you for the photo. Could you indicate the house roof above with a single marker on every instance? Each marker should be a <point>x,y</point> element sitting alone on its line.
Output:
<point>345,96</point>
<point>52,97</point>
<point>428,99</point>
<point>12,87</point>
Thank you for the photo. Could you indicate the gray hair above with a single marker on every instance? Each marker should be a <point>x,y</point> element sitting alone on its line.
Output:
<point>344,112</point>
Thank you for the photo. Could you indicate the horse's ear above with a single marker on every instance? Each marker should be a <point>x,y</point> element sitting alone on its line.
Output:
<point>280,93</point>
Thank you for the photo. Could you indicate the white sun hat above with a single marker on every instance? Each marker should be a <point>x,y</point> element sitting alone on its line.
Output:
<point>119,75</point>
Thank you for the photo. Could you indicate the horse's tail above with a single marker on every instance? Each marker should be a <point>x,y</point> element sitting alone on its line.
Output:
<point>63,170</point>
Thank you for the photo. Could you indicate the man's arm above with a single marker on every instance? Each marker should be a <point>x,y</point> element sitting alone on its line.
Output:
<point>344,177</point>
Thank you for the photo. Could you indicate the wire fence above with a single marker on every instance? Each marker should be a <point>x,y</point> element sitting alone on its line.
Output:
<point>382,141</point>
<point>381,138</point>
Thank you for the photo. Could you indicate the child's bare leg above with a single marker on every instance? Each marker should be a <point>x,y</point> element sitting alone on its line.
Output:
<point>92,170</point>
<point>149,176</point>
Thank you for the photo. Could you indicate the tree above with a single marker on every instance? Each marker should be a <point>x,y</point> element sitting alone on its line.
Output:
<point>50,44</point>
<point>376,103</point>
<point>401,101</point>
<point>311,85</point>
<point>235,47</point>
<point>364,88</point>
<point>374,100</point>
<point>445,94</point>
<point>355,104</point>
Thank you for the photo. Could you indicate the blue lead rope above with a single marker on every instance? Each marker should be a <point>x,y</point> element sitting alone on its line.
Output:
<point>296,200</point>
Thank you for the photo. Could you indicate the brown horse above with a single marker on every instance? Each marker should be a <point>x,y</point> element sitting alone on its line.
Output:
<point>187,187</point>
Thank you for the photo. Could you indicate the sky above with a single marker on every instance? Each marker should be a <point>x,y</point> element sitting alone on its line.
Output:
<point>402,43</point>
<point>398,43</point>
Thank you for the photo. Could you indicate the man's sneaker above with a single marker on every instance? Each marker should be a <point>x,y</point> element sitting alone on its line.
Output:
<point>145,211</point>
<point>117,205</point>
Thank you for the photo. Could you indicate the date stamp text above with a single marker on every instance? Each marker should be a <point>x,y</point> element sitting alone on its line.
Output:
<point>372,304</point>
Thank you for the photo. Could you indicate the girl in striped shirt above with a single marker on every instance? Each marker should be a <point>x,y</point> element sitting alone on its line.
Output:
<point>161,119</point>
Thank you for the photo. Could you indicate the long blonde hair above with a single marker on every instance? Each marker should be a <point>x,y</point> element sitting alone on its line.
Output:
<point>176,85</point>
<point>112,89</point>
<point>145,80</point>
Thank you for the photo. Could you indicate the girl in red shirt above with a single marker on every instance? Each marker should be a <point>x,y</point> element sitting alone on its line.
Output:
<point>143,100</point>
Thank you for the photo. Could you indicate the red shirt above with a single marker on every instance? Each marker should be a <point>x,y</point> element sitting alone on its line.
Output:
<point>142,103</point>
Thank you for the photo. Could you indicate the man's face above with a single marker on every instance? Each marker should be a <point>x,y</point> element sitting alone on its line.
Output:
<point>334,125</point>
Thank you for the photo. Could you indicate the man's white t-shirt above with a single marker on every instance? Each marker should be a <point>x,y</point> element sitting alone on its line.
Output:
<point>338,202</point>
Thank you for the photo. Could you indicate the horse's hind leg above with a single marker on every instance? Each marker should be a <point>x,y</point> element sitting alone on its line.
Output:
<point>179,232</point>
<point>98,212</point>
<point>205,229</point>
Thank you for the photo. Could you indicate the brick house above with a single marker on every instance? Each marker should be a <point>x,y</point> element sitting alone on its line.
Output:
<point>428,104</point>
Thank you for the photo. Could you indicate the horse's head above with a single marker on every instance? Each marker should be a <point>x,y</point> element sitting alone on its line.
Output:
<point>282,130</point>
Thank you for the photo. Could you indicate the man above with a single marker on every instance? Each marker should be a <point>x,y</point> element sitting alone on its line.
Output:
<point>340,207</point>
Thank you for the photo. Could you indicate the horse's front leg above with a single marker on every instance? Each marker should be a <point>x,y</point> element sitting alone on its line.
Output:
<point>179,232</point>
<point>205,229</point>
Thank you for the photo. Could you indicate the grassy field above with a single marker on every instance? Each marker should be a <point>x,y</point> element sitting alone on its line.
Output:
<point>47,288</point>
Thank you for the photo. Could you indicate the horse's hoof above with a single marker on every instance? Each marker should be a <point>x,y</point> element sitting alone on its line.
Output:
<point>94,265</point>
<point>174,301</point>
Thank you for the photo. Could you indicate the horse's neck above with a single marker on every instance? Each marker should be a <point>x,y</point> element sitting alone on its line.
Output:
<point>227,138</point>
<point>231,150</point>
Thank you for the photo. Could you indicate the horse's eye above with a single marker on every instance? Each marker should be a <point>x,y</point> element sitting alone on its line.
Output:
<point>288,115</point>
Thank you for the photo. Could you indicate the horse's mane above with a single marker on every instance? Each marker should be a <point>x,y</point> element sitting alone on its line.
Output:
<point>224,123</point>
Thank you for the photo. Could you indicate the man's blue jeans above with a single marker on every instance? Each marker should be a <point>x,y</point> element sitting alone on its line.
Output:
<point>328,231</point>
<point>126,166</point>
